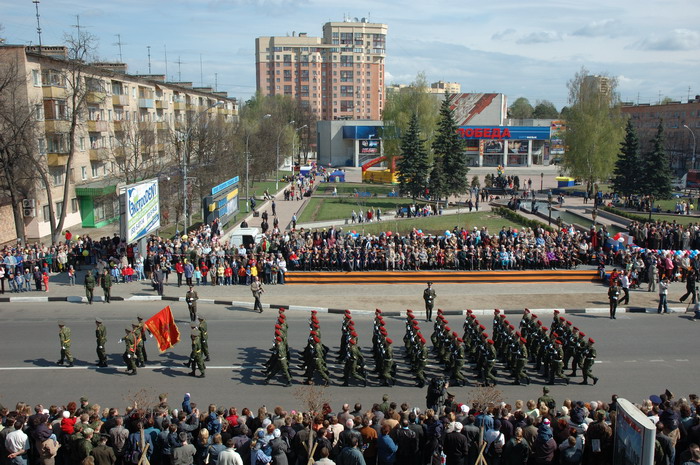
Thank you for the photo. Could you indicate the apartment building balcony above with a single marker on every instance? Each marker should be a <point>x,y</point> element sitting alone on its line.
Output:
<point>146,103</point>
<point>56,158</point>
<point>53,92</point>
<point>98,126</point>
<point>96,97</point>
<point>120,100</point>
<point>161,126</point>
<point>99,154</point>
<point>120,125</point>
<point>162,104</point>
<point>56,125</point>
<point>179,105</point>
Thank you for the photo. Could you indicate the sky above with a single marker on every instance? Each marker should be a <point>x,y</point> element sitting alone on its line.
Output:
<point>523,48</point>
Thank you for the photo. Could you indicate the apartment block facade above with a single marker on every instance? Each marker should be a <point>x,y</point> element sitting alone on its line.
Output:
<point>337,76</point>
<point>123,114</point>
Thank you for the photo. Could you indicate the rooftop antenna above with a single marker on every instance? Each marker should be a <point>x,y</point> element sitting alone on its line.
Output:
<point>216,83</point>
<point>149,58</point>
<point>77,24</point>
<point>179,75</point>
<point>119,44</point>
<point>165,51</point>
<point>201,73</point>
<point>38,22</point>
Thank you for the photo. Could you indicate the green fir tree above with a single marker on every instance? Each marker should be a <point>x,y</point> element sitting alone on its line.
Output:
<point>449,151</point>
<point>655,176</point>
<point>626,175</point>
<point>413,165</point>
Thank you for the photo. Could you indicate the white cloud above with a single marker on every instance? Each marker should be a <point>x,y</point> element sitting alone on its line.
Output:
<point>604,28</point>
<point>675,40</point>
<point>501,35</point>
<point>540,37</point>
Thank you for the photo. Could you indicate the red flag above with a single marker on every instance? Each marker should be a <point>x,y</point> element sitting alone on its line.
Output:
<point>162,326</point>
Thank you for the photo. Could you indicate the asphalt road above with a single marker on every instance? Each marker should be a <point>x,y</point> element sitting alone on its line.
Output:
<point>639,355</point>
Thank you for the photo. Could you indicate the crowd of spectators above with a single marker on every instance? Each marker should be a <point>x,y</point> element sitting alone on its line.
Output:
<point>532,432</point>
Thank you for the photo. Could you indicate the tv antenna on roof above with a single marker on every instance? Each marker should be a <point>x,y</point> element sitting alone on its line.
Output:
<point>38,22</point>
<point>119,44</point>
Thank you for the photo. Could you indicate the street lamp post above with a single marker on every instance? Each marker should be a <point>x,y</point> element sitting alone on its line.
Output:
<point>692,162</point>
<point>541,180</point>
<point>294,143</point>
<point>277,170</point>
<point>247,168</point>
<point>185,158</point>
<point>549,205</point>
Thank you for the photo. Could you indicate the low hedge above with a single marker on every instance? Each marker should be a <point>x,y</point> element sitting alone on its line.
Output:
<point>626,214</point>
<point>518,218</point>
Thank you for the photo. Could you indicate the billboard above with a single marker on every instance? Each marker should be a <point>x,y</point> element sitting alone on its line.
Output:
<point>504,132</point>
<point>369,146</point>
<point>222,203</point>
<point>635,435</point>
<point>142,209</point>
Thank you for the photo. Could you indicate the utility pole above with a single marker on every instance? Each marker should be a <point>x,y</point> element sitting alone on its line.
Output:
<point>149,58</point>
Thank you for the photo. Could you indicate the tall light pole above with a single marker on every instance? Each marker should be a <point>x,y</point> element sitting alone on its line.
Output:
<point>277,169</point>
<point>692,163</point>
<point>185,158</point>
<point>247,167</point>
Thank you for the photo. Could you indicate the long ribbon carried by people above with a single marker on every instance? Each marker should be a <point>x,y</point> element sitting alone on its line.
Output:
<point>162,326</point>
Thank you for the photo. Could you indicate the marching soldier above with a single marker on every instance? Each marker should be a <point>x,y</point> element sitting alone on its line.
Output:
<point>64,338</point>
<point>130,351</point>
<point>191,298</point>
<point>354,362</point>
<point>489,362</point>
<point>457,361</point>
<point>429,298</point>
<point>316,363</point>
<point>196,358</point>
<point>556,363</point>
<point>278,362</point>
<point>577,356</point>
<point>138,343</point>
<point>143,337</point>
<point>107,285</point>
<point>204,337</point>
<point>388,364</point>
<point>89,286</point>
<point>589,355</point>
<point>101,337</point>
<point>520,361</point>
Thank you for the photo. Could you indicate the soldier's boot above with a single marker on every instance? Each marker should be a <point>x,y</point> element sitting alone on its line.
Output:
<point>345,383</point>
<point>267,381</point>
<point>70,364</point>
<point>193,373</point>
<point>595,381</point>
<point>364,381</point>
<point>60,362</point>
<point>289,382</point>
<point>585,380</point>
<point>207,359</point>
<point>202,375</point>
<point>132,372</point>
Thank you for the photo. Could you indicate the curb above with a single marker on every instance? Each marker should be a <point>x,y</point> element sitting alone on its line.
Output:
<point>340,311</point>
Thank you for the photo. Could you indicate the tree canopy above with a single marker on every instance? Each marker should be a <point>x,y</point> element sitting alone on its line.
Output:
<point>627,167</point>
<point>449,152</point>
<point>656,170</point>
<point>545,110</point>
<point>413,166</point>
<point>520,109</point>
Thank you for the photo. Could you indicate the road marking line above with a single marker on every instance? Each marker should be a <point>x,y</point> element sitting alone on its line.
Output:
<point>681,360</point>
<point>630,361</point>
<point>656,360</point>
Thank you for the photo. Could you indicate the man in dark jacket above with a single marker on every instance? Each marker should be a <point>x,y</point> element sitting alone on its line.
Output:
<point>455,445</point>
<point>545,445</point>
<point>407,442</point>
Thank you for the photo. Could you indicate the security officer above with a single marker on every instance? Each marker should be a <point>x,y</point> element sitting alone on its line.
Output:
<point>107,285</point>
<point>196,358</point>
<point>429,297</point>
<point>589,355</point>
<point>204,337</point>
<point>130,351</point>
<point>191,298</point>
<point>101,337</point>
<point>89,286</point>
<point>613,296</point>
<point>64,338</point>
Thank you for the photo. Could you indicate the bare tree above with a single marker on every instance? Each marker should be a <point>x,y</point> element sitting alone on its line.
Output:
<point>18,129</point>
<point>135,154</point>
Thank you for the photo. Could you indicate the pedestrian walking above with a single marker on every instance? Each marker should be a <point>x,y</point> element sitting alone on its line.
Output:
<point>64,336</point>
<point>256,288</point>
<point>89,286</point>
<point>691,286</point>
<point>158,280</point>
<point>663,296</point>
<point>625,285</point>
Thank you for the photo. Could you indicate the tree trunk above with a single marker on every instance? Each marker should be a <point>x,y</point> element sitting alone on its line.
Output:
<point>17,213</point>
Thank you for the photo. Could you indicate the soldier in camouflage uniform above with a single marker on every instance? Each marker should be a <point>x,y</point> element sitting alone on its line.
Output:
<point>556,363</point>
<point>64,337</point>
<point>130,351</point>
<point>589,354</point>
<point>204,336</point>
<point>101,339</point>
<point>196,357</point>
<point>278,362</point>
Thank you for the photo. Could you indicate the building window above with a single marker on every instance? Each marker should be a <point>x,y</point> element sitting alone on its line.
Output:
<point>83,173</point>
<point>36,77</point>
<point>95,170</point>
<point>47,214</point>
<point>39,111</point>
<point>57,176</point>
<point>59,209</point>
<point>74,205</point>
<point>82,143</point>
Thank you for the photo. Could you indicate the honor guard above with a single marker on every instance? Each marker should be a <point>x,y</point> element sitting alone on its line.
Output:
<point>64,337</point>
<point>101,339</point>
<point>429,298</point>
<point>129,355</point>
<point>196,357</point>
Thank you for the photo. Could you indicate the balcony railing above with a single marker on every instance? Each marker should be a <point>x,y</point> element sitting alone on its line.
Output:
<point>146,103</point>
<point>98,126</point>
<point>120,100</point>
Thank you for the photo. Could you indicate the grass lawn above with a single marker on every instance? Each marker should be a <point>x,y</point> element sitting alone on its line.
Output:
<point>436,224</point>
<point>334,208</point>
<point>345,188</point>
<point>582,188</point>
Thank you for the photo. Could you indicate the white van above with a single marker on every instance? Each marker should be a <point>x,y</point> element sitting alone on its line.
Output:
<point>245,236</point>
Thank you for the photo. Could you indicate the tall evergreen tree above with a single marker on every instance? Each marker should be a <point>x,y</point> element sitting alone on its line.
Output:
<point>627,167</point>
<point>449,150</point>
<point>437,183</point>
<point>656,170</point>
<point>413,165</point>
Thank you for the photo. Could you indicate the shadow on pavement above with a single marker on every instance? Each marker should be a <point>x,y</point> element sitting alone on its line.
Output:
<point>252,357</point>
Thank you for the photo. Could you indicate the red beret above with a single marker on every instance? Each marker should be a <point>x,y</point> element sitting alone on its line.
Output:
<point>469,311</point>
<point>313,312</point>
<point>505,321</point>
<point>557,341</point>
<point>544,328</point>
<point>460,340</point>
<point>281,309</point>
<point>517,333</point>
<point>278,339</point>
<point>496,311</point>
<point>313,333</point>
<point>575,328</point>
<point>471,315</point>
<point>482,327</point>
<point>454,334</point>
<point>502,315</point>
<point>316,339</point>
<point>389,341</point>
<point>539,323</point>
<point>347,310</point>
<point>555,335</point>
<point>569,323</point>
<point>383,330</point>
<point>527,310</point>
<point>283,316</point>
<point>556,312</point>
<point>439,310</point>
<point>422,339</point>
<point>447,328</point>
<point>484,335</point>
<point>534,316</point>
<point>377,311</point>
<point>511,327</point>
<point>278,326</point>
<point>490,341</point>
<point>277,332</point>
<point>352,341</point>
<point>582,334</point>
<point>353,334</point>
<point>590,339</point>
<point>523,340</point>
